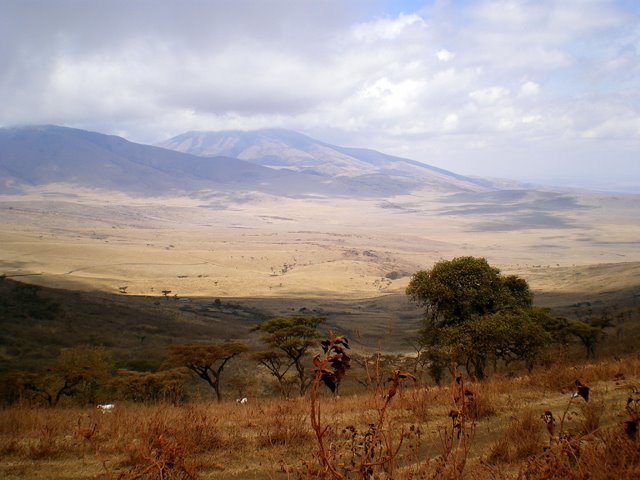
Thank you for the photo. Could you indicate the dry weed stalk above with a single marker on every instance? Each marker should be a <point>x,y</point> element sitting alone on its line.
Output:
<point>374,449</point>
<point>333,353</point>
<point>456,440</point>
<point>581,391</point>
<point>86,428</point>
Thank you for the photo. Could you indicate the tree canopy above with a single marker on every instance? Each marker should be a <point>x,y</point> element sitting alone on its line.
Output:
<point>292,336</point>
<point>474,314</point>
<point>454,291</point>
<point>77,371</point>
<point>207,360</point>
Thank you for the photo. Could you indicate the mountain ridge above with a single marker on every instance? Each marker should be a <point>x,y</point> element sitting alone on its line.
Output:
<point>42,154</point>
<point>306,154</point>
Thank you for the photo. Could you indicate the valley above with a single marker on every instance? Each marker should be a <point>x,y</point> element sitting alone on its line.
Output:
<point>255,244</point>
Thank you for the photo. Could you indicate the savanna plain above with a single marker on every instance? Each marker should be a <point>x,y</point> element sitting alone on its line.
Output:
<point>135,275</point>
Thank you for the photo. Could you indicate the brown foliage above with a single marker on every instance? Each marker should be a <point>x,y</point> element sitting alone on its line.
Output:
<point>522,438</point>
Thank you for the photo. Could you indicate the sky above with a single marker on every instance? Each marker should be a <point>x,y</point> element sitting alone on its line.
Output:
<point>545,91</point>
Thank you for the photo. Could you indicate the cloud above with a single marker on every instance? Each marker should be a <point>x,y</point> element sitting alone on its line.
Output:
<point>434,84</point>
<point>384,29</point>
<point>444,55</point>
<point>491,95</point>
<point>529,88</point>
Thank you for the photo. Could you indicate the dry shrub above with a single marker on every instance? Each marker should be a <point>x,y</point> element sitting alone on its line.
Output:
<point>599,455</point>
<point>162,457</point>
<point>419,402</point>
<point>560,377</point>
<point>522,437</point>
<point>284,428</point>
<point>36,433</point>
<point>164,449</point>
<point>202,429</point>
<point>12,431</point>
<point>610,455</point>
<point>591,415</point>
<point>482,403</point>
<point>13,421</point>
<point>556,377</point>
<point>9,447</point>
<point>47,445</point>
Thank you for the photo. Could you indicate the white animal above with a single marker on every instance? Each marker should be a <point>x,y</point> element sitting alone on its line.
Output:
<point>242,401</point>
<point>106,407</point>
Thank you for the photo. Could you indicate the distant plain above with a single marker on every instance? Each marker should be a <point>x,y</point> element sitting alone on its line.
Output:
<point>225,245</point>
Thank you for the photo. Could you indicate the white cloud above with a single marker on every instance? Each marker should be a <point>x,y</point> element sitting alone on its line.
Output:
<point>445,55</point>
<point>488,96</point>
<point>529,88</point>
<point>451,122</point>
<point>531,119</point>
<point>386,28</point>
<point>615,128</point>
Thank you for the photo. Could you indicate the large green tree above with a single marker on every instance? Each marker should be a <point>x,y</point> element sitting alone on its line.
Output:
<point>291,336</point>
<point>474,314</point>
<point>505,335</point>
<point>207,360</point>
<point>454,291</point>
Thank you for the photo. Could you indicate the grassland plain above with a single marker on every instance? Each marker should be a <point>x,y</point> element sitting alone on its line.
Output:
<point>257,245</point>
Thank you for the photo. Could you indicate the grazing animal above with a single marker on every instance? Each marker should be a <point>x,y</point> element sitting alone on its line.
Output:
<point>242,401</point>
<point>106,407</point>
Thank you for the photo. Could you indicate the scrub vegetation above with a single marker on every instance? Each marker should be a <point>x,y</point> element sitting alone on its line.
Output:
<point>495,388</point>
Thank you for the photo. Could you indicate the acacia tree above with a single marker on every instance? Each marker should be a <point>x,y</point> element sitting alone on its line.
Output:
<point>152,386</point>
<point>293,336</point>
<point>589,335</point>
<point>461,298</point>
<point>207,360</point>
<point>278,364</point>
<point>77,371</point>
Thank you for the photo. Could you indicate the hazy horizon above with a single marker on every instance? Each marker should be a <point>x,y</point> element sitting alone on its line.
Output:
<point>543,92</point>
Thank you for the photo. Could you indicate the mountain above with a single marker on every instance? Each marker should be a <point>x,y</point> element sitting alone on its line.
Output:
<point>286,149</point>
<point>47,154</point>
<point>39,155</point>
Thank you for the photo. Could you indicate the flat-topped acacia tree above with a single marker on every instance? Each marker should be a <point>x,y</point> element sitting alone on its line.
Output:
<point>207,360</point>
<point>292,336</point>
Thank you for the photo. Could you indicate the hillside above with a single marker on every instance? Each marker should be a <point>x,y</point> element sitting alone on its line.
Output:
<point>37,322</point>
<point>286,149</point>
<point>42,155</point>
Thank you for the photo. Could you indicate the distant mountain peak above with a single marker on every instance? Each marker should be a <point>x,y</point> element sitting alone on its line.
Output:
<point>281,148</point>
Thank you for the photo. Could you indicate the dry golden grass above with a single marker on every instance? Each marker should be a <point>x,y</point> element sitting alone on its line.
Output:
<point>505,437</point>
<point>261,245</point>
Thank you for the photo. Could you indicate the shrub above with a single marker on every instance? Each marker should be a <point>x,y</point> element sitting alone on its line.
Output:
<point>522,438</point>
